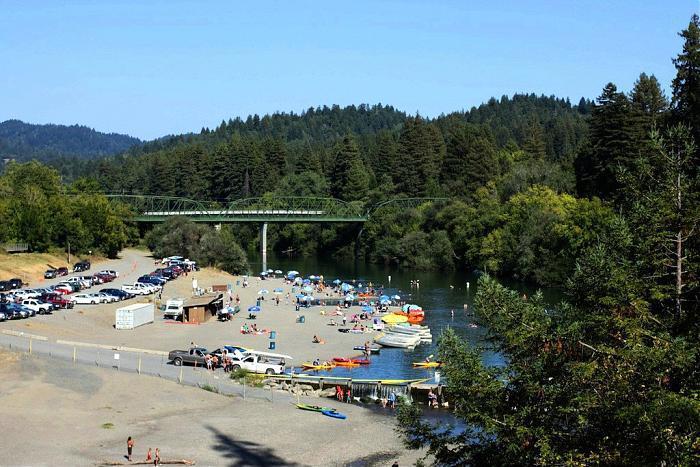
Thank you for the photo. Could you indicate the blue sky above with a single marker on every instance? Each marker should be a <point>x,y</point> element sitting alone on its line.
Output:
<point>150,68</point>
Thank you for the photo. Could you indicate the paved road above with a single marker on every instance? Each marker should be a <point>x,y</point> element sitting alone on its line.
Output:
<point>143,363</point>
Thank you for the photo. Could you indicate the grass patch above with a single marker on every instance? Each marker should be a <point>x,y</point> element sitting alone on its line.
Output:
<point>209,387</point>
<point>239,374</point>
<point>108,425</point>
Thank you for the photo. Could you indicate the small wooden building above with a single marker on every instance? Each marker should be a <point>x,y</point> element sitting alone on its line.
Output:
<point>201,309</point>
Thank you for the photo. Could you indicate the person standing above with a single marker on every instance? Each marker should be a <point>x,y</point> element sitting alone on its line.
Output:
<point>129,448</point>
<point>149,455</point>
<point>156,458</point>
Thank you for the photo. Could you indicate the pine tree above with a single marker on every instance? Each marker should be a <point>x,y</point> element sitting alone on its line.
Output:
<point>471,159</point>
<point>349,178</point>
<point>686,84</point>
<point>419,155</point>
<point>648,97</point>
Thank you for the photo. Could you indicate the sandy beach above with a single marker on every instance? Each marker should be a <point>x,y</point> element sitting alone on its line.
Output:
<point>65,414</point>
<point>94,323</point>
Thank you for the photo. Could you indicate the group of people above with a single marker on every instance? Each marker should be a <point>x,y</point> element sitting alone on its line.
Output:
<point>150,456</point>
<point>252,329</point>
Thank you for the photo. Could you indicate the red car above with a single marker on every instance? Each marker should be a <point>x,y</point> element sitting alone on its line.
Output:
<point>58,299</point>
<point>104,277</point>
<point>62,271</point>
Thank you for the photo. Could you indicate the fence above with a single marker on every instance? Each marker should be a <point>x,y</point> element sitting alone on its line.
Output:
<point>147,364</point>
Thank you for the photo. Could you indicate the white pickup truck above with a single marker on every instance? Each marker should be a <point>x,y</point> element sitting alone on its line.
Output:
<point>139,288</point>
<point>37,306</point>
<point>259,362</point>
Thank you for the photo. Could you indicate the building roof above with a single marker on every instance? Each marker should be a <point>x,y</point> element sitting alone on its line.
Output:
<point>204,300</point>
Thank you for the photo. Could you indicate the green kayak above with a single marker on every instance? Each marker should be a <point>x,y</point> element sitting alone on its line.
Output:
<point>314,408</point>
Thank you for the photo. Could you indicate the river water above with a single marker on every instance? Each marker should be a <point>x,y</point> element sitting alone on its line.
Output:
<point>439,293</point>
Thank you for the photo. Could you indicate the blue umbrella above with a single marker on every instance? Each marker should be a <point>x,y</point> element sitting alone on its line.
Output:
<point>336,282</point>
<point>292,273</point>
<point>395,297</point>
<point>264,273</point>
<point>254,309</point>
<point>306,281</point>
<point>300,296</point>
<point>383,297</point>
<point>263,292</point>
<point>307,298</point>
<point>349,297</point>
<point>278,290</point>
<point>386,301</point>
<point>345,287</point>
<point>308,288</point>
<point>313,277</point>
<point>297,280</point>
<point>366,308</point>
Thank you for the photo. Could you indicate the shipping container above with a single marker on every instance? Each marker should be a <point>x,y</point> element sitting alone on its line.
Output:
<point>133,316</point>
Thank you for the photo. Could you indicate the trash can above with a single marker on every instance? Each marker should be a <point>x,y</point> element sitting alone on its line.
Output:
<point>302,319</point>
<point>238,283</point>
<point>257,302</point>
<point>272,345</point>
<point>273,335</point>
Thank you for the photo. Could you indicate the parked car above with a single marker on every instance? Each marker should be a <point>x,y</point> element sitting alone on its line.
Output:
<point>37,306</point>
<point>164,273</point>
<point>104,277</point>
<point>62,271</point>
<point>122,294</point>
<point>140,288</point>
<point>84,299</point>
<point>5,286</point>
<point>81,266</point>
<point>63,288</point>
<point>3,316</point>
<point>152,280</point>
<point>101,298</point>
<point>50,274</point>
<point>58,299</point>
<point>82,284</point>
<point>26,294</point>
<point>109,272</point>
<point>194,356</point>
<point>107,297</point>
<point>11,311</point>
<point>20,310</point>
<point>16,283</point>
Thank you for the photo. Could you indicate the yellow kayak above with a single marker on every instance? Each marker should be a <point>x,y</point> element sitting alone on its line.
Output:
<point>427,364</point>
<point>394,319</point>
<point>311,366</point>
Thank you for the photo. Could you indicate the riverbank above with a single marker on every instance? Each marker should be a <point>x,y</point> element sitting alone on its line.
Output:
<point>94,323</point>
<point>41,398</point>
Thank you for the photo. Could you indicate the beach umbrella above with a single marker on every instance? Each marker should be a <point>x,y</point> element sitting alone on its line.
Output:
<point>278,271</point>
<point>308,289</point>
<point>278,291</point>
<point>264,273</point>
<point>306,281</point>
<point>349,297</point>
<point>386,301</point>
<point>263,292</point>
<point>254,309</point>
<point>336,282</point>
<point>300,296</point>
<point>307,298</point>
<point>406,308</point>
<point>297,280</point>
<point>292,273</point>
<point>366,309</point>
<point>383,298</point>
<point>395,297</point>
<point>345,287</point>
<point>313,277</point>
<point>270,271</point>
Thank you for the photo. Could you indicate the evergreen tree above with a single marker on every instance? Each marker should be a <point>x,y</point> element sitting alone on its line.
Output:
<point>686,84</point>
<point>349,179</point>
<point>470,160</point>
<point>648,97</point>
<point>419,155</point>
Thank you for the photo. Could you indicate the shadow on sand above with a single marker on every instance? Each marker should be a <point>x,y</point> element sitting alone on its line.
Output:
<point>245,452</point>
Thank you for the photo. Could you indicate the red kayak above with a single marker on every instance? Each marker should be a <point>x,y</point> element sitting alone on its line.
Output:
<point>342,360</point>
<point>361,361</point>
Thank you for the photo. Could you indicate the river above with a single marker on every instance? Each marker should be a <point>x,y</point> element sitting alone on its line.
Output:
<point>439,293</point>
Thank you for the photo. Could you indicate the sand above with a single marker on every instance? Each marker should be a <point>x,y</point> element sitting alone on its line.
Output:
<point>94,323</point>
<point>56,413</point>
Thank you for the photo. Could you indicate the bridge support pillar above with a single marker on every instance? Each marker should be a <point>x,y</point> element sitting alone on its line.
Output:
<point>263,245</point>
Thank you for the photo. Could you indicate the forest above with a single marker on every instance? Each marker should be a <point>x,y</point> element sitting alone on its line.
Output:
<point>600,198</point>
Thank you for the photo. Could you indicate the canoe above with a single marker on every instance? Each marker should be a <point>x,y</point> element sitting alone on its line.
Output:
<point>341,360</point>
<point>311,366</point>
<point>314,408</point>
<point>371,349</point>
<point>334,414</point>
<point>427,364</point>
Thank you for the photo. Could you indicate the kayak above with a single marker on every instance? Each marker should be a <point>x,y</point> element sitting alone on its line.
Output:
<point>314,408</point>
<point>311,366</point>
<point>427,364</point>
<point>371,349</point>
<point>341,360</point>
<point>394,319</point>
<point>415,319</point>
<point>334,414</point>
<point>360,361</point>
<point>348,364</point>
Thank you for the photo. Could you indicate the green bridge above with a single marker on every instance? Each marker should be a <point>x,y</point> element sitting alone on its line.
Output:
<point>263,210</point>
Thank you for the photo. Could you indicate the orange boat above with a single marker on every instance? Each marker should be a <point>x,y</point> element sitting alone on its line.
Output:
<point>349,364</point>
<point>416,319</point>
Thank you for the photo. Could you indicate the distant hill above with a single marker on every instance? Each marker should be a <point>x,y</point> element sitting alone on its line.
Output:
<point>25,141</point>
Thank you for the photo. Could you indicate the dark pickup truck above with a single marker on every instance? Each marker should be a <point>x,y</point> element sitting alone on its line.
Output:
<point>194,356</point>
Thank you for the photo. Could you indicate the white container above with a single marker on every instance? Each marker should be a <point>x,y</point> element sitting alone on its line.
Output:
<point>133,316</point>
